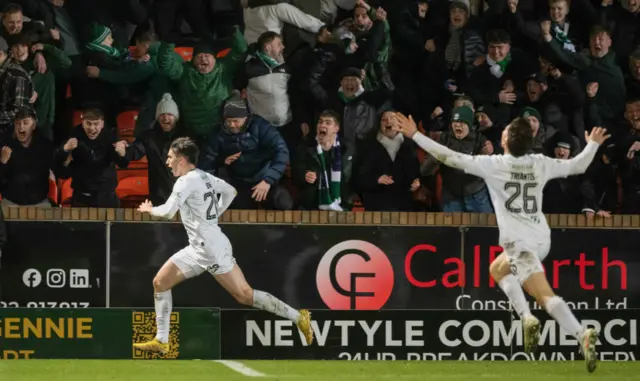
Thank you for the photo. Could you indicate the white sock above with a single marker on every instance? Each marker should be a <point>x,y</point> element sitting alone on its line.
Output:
<point>512,288</point>
<point>163,303</point>
<point>559,310</point>
<point>267,302</point>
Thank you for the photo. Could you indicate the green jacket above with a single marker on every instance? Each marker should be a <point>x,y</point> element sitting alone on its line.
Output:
<point>45,85</point>
<point>376,70</point>
<point>201,97</point>
<point>610,98</point>
<point>307,160</point>
<point>149,72</point>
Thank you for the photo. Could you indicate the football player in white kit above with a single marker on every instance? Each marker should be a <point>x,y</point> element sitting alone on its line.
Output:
<point>195,194</point>
<point>515,181</point>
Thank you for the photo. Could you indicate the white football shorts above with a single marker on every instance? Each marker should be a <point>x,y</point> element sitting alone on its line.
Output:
<point>525,258</point>
<point>214,256</point>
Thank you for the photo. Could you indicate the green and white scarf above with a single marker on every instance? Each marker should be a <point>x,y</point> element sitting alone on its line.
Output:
<point>499,68</point>
<point>562,35</point>
<point>347,99</point>
<point>330,183</point>
<point>270,61</point>
<point>99,33</point>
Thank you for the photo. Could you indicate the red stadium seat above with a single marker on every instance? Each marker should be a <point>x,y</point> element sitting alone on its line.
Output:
<point>185,52</point>
<point>65,192</point>
<point>127,123</point>
<point>77,118</point>
<point>223,53</point>
<point>133,187</point>
<point>125,173</point>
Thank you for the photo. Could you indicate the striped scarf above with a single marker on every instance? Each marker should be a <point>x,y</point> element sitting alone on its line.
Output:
<point>452,53</point>
<point>562,35</point>
<point>329,185</point>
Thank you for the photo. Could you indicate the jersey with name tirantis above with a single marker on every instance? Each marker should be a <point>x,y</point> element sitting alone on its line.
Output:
<point>201,199</point>
<point>515,185</point>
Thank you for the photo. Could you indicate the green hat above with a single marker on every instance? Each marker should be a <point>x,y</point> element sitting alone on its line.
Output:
<point>463,114</point>
<point>530,111</point>
<point>98,33</point>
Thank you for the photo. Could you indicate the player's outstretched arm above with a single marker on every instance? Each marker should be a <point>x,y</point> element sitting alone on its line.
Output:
<point>580,163</point>
<point>169,208</point>
<point>227,194</point>
<point>408,127</point>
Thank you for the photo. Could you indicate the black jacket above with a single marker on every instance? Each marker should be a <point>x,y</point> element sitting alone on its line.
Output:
<point>155,144</point>
<point>25,178</point>
<point>375,162</point>
<point>93,168</point>
<point>454,181</point>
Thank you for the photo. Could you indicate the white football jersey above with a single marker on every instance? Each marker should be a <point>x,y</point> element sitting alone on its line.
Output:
<point>515,184</point>
<point>201,199</point>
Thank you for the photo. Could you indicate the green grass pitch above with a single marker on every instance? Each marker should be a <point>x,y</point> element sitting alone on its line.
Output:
<point>169,370</point>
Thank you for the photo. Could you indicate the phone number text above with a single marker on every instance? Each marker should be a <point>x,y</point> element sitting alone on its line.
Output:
<point>4,304</point>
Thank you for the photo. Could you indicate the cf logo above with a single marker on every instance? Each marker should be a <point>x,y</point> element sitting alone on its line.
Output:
<point>354,275</point>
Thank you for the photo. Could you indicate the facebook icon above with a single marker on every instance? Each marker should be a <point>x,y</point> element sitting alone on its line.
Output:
<point>32,278</point>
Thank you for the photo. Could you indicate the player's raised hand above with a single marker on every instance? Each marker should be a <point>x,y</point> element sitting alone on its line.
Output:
<point>145,207</point>
<point>598,135</point>
<point>407,126</point>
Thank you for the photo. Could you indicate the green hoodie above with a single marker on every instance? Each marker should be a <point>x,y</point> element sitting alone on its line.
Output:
<point>159,83</point>
<point>201,96</point>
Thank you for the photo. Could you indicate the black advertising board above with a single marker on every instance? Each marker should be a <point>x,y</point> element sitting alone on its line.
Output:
<point>590,268</point>
<point>54,264</point>
<point>391,267</point>
<point>421,335</point>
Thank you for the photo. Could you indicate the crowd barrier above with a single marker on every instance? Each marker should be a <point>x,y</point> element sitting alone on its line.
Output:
<point>405,286</point>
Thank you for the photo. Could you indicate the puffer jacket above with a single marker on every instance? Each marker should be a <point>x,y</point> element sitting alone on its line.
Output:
<point>201,96</point>
<point>264,152</point>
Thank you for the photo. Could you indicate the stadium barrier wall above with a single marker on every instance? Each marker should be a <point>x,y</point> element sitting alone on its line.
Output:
<point>373,269</point>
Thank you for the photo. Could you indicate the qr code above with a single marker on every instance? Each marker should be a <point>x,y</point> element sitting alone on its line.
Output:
<point>144,329</point>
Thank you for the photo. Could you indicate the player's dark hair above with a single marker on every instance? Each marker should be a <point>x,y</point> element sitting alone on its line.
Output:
<point>519,137</point>
<point>187,148</point>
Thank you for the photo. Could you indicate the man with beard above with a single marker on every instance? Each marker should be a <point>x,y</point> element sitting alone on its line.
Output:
<point>597,66</point>
<point>323,168</point>
<point>25,161</point>
<point>462,192</point>
<point>268,86</point>
<point>155,144</point>
<point>254,155</point>
<point>203,84</point>
<point>89,157</point>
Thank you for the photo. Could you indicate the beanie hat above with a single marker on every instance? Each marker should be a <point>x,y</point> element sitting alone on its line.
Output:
<point>235,106</point>
<point>489,110</point>
<point>204,48</point>
<point>351,72</point>
<point>564,140</point>
<point>98,33</point>
<point>167,106</point>
<point>463,114</point>
<point>460,4</point>
<point>530,111</point>
<point>539,78</point>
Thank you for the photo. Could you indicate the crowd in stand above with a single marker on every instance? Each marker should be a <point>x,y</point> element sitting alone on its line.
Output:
<point>293,101</point>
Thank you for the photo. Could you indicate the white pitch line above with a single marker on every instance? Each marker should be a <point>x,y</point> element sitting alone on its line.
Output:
<point>241,368</point>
